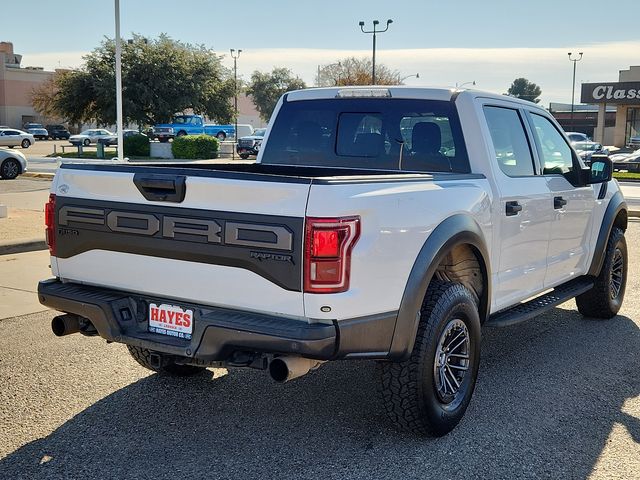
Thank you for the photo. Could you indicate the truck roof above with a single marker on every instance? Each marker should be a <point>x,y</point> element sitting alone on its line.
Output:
<point>399,91</point>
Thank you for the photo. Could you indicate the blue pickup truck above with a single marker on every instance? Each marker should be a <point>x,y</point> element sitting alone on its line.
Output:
<point>193,125</point>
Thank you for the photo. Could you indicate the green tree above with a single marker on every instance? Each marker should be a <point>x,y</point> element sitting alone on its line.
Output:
<point>266,88</point>
<point>159,78</point>
<point>524,89</point>
<point>356,71</point>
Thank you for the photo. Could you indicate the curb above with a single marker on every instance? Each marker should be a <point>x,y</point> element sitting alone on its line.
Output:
<point>47,176</point>
<point>21,246</point>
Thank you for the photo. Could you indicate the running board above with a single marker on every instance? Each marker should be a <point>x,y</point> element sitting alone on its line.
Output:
<point>538,305</point>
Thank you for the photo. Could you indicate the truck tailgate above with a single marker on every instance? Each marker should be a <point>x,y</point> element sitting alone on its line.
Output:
<point>234,240</point>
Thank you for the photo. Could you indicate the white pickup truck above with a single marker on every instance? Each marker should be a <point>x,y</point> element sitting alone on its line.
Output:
<point>383,223</point>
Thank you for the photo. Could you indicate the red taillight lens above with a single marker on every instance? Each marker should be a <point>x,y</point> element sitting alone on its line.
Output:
<point>50,223</point>
<point>327,254</point>
<point>325,243</point>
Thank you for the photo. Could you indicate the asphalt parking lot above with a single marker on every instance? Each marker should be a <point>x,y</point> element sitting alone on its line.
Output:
<point>42,148</point>
<point>557,397</point>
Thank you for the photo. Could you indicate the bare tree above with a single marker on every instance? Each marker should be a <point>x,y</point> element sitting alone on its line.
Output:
<point>356,71</point>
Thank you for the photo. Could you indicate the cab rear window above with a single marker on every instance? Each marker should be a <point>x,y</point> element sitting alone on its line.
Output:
<point>385,134</point>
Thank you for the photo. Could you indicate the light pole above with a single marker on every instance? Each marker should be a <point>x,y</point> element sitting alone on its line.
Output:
<point>573,82</point>
<point>374,31</point>
<point>473,82</point>
<point>119,82</point>
<point>235,55</point>
<point>400,80</point>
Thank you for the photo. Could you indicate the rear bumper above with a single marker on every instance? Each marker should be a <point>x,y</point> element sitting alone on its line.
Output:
<point>219,332</point>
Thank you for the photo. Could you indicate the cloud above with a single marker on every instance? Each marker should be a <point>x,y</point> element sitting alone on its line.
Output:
<point>493,69</point>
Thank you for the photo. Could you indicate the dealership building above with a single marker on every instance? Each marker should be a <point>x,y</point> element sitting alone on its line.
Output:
<point>16,85</point>
<point>625,96</point>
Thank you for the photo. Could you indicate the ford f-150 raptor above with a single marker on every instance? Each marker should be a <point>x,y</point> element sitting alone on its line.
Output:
<point>382,223</point>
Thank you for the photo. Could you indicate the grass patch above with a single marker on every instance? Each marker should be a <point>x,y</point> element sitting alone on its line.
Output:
<point>627,175</point>
<point>108,153</point>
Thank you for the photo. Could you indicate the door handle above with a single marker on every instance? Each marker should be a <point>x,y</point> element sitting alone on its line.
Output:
<point>161,188</point>
<point>513,208</point>
<point>558,203</point>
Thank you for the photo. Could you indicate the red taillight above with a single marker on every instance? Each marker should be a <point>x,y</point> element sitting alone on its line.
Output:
<point>50,223</point>
<point>327,253</point>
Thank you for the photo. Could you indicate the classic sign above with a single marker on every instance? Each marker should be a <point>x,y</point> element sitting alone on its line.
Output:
<point>613,92</point>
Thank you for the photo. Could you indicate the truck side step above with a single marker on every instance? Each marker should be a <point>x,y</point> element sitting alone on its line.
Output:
<point>525,311</point>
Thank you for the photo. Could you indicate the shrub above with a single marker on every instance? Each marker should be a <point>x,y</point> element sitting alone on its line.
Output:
<point>137,146</point>
<point>195,147</point>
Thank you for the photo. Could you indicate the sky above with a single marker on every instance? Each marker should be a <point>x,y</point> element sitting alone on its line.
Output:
<point>446,43</point>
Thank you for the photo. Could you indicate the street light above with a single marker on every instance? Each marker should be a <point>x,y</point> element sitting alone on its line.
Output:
<point>235,57</point>
<point>374,32</point>
<point>400,80</point>
<point>473,82</point>
<point>573,82</point>
<point>119,82</point>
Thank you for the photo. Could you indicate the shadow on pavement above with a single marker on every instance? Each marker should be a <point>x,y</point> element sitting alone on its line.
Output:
<point>549,393</point>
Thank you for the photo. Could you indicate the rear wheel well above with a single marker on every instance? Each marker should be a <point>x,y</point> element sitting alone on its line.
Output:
<point>464,264</point>
<point>621,220</point>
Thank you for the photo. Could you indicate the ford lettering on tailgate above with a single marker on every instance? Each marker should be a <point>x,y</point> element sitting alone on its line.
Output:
<point>258,243</point>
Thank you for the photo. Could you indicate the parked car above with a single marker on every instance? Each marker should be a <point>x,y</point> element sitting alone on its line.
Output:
<point>58,132</point>
<point>194,125</point>
<point>250,145</point>
<point>587,149</point>
<point>37,130</point>
<point>634,142</point>
<point>12,138</point>
<point>629,161</point>
<point>113,139</point>
<point>12,164</point>
<point>577,137</point>
<point>90,136</point>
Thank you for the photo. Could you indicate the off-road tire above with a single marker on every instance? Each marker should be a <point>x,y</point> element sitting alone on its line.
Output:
<point>143,357</point>
<point>601,301</point>
<point>409,393</point>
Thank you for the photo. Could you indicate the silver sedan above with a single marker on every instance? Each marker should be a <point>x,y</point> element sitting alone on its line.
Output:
<point>12,164</point>
<point>13,138</point>
<point>90,136</point>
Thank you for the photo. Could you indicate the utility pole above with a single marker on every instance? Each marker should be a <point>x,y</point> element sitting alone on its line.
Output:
<point>573,83</point>
<point>374,32</point>
<point>235,57</point>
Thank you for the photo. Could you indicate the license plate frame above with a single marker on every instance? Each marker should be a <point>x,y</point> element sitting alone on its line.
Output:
<point>170,320</point>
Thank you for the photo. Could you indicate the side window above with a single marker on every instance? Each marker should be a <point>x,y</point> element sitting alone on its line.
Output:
<point>512,149</point>
<point>555,154</point>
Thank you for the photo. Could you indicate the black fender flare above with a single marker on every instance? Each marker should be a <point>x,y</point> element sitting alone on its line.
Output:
<point>455,230</point>
<point>615,207</point>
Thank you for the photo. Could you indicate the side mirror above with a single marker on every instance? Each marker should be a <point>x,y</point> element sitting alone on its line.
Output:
<point>601,170</point>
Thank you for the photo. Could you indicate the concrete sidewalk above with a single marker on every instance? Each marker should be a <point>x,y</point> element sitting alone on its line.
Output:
<point>19,277</point>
